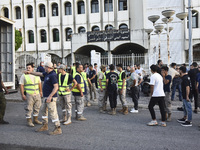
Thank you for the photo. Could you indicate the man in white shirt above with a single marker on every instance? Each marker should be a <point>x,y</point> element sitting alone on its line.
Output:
<point>140,71</point>
<point>157,96</point>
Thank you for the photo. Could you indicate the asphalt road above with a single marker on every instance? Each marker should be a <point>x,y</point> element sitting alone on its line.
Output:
<point>100,132</point>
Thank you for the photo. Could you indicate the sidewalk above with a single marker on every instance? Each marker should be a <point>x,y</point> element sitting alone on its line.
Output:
<point>143,101</point>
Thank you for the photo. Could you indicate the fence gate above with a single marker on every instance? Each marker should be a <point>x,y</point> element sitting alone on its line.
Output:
<point>127,60</point>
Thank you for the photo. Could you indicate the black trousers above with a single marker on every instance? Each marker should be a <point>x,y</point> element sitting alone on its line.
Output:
<point>2,105</point>
<point>161,103</point>
<point>135,96</point>
<point>196,100</point>
<point>113,98</point>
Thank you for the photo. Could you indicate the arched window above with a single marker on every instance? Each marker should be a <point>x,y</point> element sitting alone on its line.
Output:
<point>18,12</point>
<point>30,36</point>
<point>68,32</point>
<point>30,11</point>
<point>54,9</point>
<point>81,7</point>
<point>6,12</point>
<point>68,8</point>
<point>108,5</point>
<point>43,35</point>
<point>94,6</point>
<point>108,27</point>
<point>81,30</point>
<point>55,35</point>
<point>42,10</point>
<point>95,28</point>
<point>195,15</point>
<point>123,26</point>
<point>122,5</point>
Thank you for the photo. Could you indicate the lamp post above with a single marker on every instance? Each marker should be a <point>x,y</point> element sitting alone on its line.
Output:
<point>148,31</point>
<point>168,18</point>
<point>159,29</point>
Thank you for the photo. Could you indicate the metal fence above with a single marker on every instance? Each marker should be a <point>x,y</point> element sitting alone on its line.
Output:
<point>127,60</point>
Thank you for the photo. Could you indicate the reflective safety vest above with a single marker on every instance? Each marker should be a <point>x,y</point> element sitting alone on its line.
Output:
<point>74,71</point>
<point>103,81</point>
<point>82,84</point>
<point>30,87</point>
<point>64,86</point>
<point>56,70</point>
<point>120,81</point>
<point>84,74</point>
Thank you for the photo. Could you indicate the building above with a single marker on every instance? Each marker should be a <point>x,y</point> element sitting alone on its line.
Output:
<point>48,26</point>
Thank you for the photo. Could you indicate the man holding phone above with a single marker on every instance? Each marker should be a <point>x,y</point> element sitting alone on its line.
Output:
<point>50,88</point>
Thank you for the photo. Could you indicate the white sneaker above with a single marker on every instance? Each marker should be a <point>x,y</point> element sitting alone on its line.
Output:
<point>134,111</point>
<point>152,123</point>
<point>67,122</point>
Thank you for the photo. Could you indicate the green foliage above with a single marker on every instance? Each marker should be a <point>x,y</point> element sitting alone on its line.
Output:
<point>18,40</point>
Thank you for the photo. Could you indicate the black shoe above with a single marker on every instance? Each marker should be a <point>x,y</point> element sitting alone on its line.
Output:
<point>180,108</point>
<point>181,120</point>
<point>4,122</point>
<point>187,124</point>
<point>195,111</point>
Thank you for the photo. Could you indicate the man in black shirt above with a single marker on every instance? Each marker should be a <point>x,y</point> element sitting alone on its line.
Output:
<point>111,81</point>
<point>2,102</point>
<point>192,74</point>
<point>186,87</point>
<point>160,63</point>
<point>92,75</point>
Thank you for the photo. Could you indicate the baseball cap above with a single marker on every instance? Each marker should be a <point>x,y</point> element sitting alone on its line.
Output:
<point>49,64</point>
<point>62,67</point>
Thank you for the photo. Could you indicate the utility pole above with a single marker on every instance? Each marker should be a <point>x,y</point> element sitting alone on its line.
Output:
<point>190,32</point>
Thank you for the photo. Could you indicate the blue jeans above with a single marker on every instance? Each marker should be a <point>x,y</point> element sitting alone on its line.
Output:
<point>174,86</point>
<point>187,109</point>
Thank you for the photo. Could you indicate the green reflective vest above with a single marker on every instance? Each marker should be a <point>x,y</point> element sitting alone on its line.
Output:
<point>56,70</point>
<point>82,84</point>
<point>120,81</point>
<point>73,68</point>
<point>103,81</point>
<point>84,74</point>
<point>30,87</point>
<point>64,86</point>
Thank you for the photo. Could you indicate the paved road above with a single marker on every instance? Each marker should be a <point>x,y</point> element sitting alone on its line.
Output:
<point>100,132</point>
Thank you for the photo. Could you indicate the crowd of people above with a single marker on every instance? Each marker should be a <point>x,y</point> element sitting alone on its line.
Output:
<point>51,83</point>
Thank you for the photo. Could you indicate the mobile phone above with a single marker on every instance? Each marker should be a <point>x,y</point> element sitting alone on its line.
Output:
<point>46,100</point>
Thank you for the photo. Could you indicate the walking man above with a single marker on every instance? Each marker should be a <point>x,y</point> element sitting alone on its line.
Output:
<point>102,89</point>
<point>111,82</point>
<point>167,81</point>
<point>134,82</point>
<point>79,91</point>
<point>31,92</point>
<point>187,107</point>
<point>50,89</point>
<point>2,102</point>
<point>92,75</point>
<point>157,96</point>
<point>64,79</point>
<point>122,89</point>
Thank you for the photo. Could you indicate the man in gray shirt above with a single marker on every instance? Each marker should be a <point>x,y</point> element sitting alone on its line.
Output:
<point>134,82</point>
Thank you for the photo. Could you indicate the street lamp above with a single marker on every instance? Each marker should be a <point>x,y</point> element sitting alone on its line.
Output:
<point>168,18</point>
<point>148,31</point>
<point>159,29</point>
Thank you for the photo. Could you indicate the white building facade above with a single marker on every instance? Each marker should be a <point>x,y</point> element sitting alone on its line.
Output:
<point>59,27</point>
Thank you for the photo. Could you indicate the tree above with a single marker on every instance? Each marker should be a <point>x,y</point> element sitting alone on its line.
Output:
<point>18,40</point>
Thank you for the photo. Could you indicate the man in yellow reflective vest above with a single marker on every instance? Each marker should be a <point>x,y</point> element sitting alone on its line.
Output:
<point>79,91</point>
<point>73,70</point>
<point>102,89</point>
<point>87,82</point>
<point>55,68</point>
<point>31,92</point>
<point>122,89</point>
<point>64,91</point>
